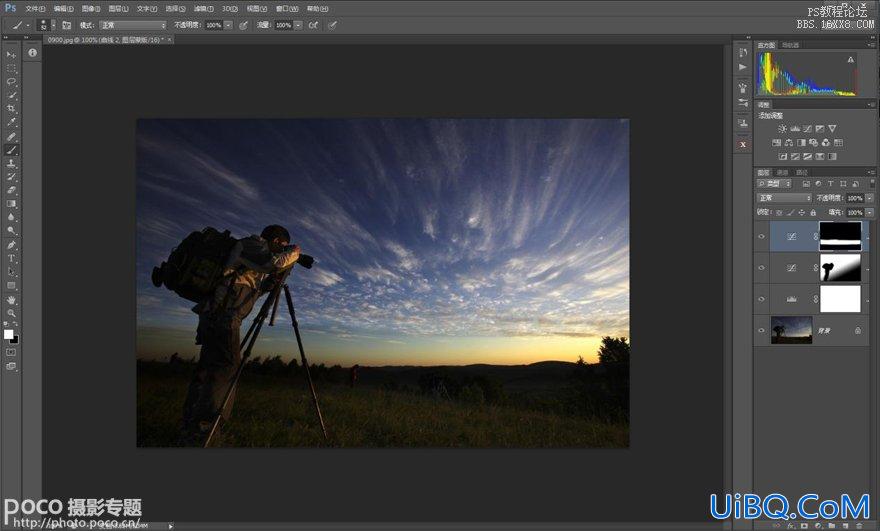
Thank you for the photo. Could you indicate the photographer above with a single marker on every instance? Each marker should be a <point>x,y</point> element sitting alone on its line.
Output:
<point>249,273</point>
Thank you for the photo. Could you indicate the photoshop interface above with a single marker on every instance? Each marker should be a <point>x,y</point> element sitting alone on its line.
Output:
<point>440,265</point>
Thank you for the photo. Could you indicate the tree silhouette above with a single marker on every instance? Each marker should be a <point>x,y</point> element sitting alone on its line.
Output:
<point>779,330</point>
<point>601,389</point>
<point>273,365</point>
<point>614,350</point>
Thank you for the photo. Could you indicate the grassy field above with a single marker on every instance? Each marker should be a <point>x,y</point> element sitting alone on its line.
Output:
<point>277,412</point>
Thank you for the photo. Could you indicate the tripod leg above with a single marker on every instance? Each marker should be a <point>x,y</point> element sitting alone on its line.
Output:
<point>250,339</point>
<point>248,334</point>
<point>302,355</point>
<point>274,311</point>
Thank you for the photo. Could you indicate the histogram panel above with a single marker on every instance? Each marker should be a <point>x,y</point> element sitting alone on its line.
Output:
<point>806,74</point>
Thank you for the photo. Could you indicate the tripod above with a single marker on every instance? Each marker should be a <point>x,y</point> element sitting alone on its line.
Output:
<point>250,338</point>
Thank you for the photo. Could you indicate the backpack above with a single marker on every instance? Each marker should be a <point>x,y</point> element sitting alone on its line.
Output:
<point>195,267</point>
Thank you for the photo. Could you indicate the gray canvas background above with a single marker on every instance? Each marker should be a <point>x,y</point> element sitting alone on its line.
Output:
<point>94,96</point>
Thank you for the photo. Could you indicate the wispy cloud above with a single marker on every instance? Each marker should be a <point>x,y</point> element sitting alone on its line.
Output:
<point>197,162</point>
<point>406,259</point>
<point>421,228</point>
<point>323,277</point>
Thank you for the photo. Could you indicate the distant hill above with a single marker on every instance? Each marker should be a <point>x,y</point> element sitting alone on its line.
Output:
<point>540,374</point>
<point>543,375</point>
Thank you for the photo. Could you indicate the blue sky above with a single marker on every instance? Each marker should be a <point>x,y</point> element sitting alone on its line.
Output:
<point>437,241</point>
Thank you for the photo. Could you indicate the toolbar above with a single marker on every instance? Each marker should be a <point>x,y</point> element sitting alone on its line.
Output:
<point>433,17</point>
<point>14,54</point>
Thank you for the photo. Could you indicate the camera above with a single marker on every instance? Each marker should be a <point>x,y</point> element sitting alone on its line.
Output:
<point>305,260</point>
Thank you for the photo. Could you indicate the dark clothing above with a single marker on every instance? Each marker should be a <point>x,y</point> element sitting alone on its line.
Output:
<point>220,316</point>
<point>218,332</point>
